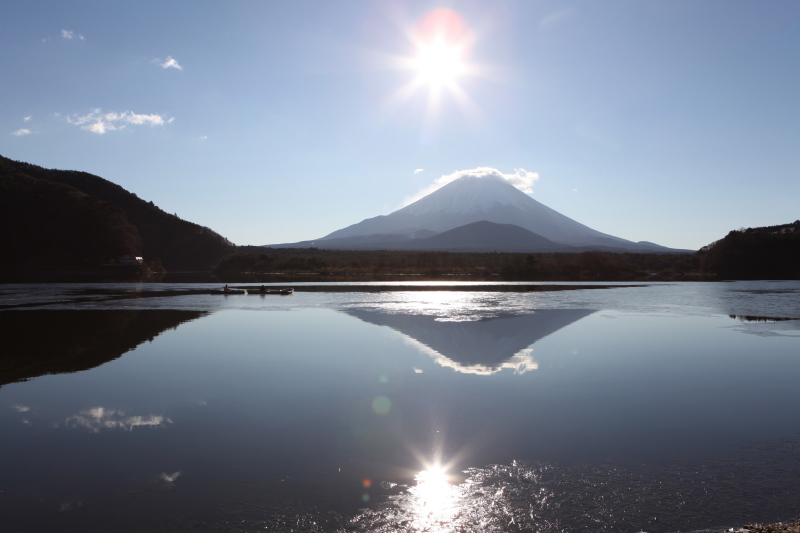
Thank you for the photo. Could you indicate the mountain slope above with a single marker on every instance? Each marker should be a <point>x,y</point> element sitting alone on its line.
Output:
<point>485,236</point>
<point>482,236</point>
<point>177,243</point>
<point>472,199</point>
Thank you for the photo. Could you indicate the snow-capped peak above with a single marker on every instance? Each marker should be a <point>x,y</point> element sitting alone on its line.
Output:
<point>469,194</point>
<point>480,196</point>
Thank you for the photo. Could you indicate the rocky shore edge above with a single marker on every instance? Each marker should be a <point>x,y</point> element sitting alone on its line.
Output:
<point>779,527</point>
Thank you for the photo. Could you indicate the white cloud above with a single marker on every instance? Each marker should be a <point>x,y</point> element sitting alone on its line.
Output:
<point>69,34</point>
<point>98,122</point>
<point>521,179</point>
<point>22,131</point>
<point>21,408</point>
<point>204,137</point>
<point>170,62</point>
<point>28,118</point>
<point>419,170</point>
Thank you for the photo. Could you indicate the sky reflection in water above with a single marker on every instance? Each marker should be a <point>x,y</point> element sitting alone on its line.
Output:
<point>543,417</point>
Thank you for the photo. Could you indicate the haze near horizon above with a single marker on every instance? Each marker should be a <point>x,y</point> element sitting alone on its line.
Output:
<point>667,121</point>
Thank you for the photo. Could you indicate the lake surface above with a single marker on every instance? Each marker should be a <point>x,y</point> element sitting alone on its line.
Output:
<point>378,407</point>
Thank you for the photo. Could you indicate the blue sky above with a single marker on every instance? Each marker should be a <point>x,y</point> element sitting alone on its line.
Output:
<point>668,121</point>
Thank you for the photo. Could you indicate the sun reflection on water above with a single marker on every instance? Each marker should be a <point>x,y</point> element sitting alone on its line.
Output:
<point>435,501</point>
<point>452,306</point>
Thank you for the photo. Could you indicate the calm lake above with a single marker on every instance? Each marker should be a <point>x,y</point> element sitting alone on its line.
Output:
<point>378,407</point>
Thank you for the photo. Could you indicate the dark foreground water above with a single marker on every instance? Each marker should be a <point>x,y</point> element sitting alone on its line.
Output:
<point>673,407</point>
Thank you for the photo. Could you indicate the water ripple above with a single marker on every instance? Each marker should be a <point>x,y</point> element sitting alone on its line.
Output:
<point>756,484</point>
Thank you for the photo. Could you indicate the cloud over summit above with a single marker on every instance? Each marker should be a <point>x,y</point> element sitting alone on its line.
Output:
<point>521,179</point>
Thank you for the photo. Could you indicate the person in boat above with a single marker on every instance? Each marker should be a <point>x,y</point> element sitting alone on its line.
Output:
<point>263,289</point>
<point>225,288</point>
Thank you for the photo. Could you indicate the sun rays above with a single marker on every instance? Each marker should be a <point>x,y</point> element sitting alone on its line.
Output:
<point>439,65</point>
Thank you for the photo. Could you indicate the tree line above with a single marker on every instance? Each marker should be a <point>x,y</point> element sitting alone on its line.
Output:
<point>262,264</point>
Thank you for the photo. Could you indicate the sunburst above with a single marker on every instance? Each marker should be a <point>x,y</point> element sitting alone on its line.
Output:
<point>440,63</point>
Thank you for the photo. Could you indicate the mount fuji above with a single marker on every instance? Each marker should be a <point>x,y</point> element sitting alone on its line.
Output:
<point>476,213</point>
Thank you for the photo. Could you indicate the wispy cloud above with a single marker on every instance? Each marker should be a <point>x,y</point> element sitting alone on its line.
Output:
<point>521,179</point>
<point>22,131</point>
<point>419,170</point>
<point>28,118</point>
<point>169,62</point>
<point>69,34</point>
<point>98,122</point>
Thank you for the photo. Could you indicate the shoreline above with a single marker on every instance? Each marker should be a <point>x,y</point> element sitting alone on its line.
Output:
<point>792,526</point>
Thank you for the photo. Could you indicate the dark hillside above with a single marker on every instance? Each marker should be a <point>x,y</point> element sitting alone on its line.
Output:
<point>177,243</point>
<point>771,252</point>
<point>46,226</point>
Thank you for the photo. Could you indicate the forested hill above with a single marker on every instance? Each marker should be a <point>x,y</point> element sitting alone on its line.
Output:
<point>150,231</point>
<point>771,252</point>
<point>48,226</point>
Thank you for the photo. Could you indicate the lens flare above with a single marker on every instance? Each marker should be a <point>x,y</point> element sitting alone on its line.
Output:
<point>381,405</point>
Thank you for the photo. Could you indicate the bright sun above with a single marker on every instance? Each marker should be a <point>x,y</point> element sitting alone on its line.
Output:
<point>442,45</point>
<point>441,40</point>
<point>438,64</point>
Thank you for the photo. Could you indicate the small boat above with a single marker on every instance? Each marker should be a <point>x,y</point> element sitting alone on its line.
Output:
<point>258,290</point>
<point>229,290</point>
<point>232,291</point>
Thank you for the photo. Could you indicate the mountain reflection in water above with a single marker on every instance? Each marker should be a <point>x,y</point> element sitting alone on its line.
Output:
<point>748,318</point>
<point>483,346</point>
<point>36,343</point>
